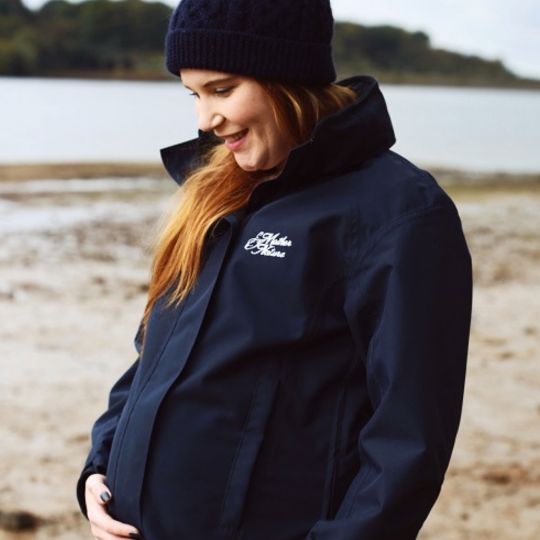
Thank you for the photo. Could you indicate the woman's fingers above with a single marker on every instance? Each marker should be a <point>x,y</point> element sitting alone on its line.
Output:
<point>95,484</point>
<point>107,536</point>
<point>103,526</point>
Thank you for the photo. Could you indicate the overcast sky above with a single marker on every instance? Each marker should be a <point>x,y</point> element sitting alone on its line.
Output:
<point>505,29</point>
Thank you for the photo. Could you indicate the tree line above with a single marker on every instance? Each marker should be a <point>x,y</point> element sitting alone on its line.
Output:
<point>126,39</point>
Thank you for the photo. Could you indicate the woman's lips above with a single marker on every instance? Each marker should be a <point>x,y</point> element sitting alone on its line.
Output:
<point>235,145</point>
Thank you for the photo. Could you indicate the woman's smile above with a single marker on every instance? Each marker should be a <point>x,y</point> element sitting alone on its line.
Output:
<point>237,141</point>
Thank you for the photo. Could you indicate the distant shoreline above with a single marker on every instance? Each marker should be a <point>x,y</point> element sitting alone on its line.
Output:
<point>66,171</point>
<point>383,78</point>
<point>83,170</point>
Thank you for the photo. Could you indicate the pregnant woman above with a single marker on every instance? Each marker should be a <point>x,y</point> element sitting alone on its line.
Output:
<point>302,355</point>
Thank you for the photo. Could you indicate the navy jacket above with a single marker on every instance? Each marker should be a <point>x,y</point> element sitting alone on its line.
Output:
<point>311,385</point>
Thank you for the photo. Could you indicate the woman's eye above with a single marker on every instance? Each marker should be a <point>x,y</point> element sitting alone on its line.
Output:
<point>219,91</point>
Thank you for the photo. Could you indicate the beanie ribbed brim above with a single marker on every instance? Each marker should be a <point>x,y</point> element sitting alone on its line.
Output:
<point>248,54</point>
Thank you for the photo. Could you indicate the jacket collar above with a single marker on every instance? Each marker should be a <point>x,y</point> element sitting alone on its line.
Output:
<point>338,142</point>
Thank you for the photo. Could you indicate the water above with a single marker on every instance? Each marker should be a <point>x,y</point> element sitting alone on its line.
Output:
<point>470,128</point>
<point>68,120</point>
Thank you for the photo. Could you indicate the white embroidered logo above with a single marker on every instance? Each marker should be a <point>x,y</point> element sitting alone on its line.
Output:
<point>265,244</point>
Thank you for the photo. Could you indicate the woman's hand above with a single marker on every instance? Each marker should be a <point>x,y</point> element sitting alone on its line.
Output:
<point>103,526</point>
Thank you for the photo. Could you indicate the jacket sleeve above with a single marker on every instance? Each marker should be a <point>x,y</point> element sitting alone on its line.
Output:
<point>105,426</point>
<point>409,309</point>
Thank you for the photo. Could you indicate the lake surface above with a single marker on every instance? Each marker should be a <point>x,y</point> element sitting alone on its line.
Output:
<point>70,120</point>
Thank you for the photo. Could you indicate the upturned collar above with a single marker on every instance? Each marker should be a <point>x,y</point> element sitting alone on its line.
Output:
<point>338,142</point>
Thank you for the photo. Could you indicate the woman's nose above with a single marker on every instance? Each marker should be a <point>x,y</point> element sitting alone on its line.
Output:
<point>209,121</point>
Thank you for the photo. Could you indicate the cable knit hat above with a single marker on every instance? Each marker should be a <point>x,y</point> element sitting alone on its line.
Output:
<point>287,40</point>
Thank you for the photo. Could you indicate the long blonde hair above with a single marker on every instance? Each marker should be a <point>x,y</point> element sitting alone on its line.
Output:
<point>220,187</point>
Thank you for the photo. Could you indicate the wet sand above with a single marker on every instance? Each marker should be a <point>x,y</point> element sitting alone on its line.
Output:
<point>74,265</point>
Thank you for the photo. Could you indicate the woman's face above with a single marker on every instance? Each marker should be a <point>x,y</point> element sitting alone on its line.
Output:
<point>230,105</point>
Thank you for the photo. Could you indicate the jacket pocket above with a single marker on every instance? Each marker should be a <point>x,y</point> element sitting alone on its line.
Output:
<point>248,448</point>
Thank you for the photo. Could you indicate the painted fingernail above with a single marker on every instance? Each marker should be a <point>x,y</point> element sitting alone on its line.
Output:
<point>134,535</point>
<point>105,497</point>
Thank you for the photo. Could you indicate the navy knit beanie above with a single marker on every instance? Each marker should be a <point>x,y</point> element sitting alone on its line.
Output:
<point>285,40</point>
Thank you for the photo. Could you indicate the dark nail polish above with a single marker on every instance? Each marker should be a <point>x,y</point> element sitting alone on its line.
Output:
<point>134,535</point>
<point>105,497</point>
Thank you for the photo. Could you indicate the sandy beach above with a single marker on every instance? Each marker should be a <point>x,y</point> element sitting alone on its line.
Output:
<point>74,266</point>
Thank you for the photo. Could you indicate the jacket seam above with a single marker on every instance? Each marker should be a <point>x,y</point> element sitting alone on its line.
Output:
<point>237,453</point>
<point>411,166</point>
<point>144,385</point>
<point>337,437</point>
<point>331,462</point>
<point>402,219</point>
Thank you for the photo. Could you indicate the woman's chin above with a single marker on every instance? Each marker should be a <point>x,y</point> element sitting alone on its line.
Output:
<point>248,167</point>
<point>257,170</point>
